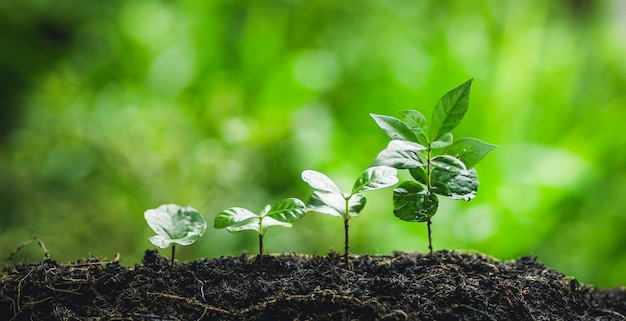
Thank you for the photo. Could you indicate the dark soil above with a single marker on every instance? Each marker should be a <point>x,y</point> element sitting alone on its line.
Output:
<point>447,286</point>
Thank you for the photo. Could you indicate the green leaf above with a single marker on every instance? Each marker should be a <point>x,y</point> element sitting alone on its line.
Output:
<point>400,154</point>
<point>469,150</point>
<point>419,173</point>
<point>232,216</point>
<point>417,123</point>
<point>374,178</point>
<point>447,163</point>
<point>356,204</point>
<point>333,204</point>
<point>394,127</point>
<point>413,203</point>
<point>174,224</point>
<point>251,224</point>
<point>444,140</point>
<point>450,178</point>
<point>449,110</point>
<point>269,222</point>
<point>287,210</point>
<point>319,181</point>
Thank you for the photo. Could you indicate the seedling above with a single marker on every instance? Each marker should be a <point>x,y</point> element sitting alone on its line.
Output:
<point>328,199</point>
<point>237,219</point>
<point>174,225</point>
<point>439,164</point>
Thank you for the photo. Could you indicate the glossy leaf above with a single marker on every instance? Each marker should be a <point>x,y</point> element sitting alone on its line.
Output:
<point>413,203</point>
<point>394,127</point>
<point>417,123</point>
<point>469,150</point>
<point>237,219</point>
<point>269,222</point>
<point>232,216</point>
<point>287,210</point>
<point>400,154</point>
<point>319,181</point>
<point>449,110</point>
<point>419,174</point>
<point>174,224</point>
<point>251,224</point>
<point>334,204</point>
<point>356,203</point>
<point>451,178</point>
<point>444,140</point>
<point>374,178</point>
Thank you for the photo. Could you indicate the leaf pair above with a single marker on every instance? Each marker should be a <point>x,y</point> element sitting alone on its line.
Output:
<point>236,219</point>
<point>328,198</point>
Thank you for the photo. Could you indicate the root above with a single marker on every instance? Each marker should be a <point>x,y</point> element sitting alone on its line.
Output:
<point>21,246</point>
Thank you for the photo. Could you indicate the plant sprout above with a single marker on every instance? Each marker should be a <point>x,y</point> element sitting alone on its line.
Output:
<point>439,164</point>
<point>237,219</point>
<point>174,224</point>
<point>328,199</point>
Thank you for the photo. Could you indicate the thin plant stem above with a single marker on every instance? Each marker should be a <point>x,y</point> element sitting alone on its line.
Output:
<point>346,225</point>
<point>173,253</point>
<point>261,247</point>
<point>428,186</point>
<point>430,241</point>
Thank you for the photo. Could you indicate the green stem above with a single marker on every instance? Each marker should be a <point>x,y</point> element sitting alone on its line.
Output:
<point>173,253</point>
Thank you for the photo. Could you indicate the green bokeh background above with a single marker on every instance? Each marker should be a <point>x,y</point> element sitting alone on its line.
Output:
<point>110,108</point>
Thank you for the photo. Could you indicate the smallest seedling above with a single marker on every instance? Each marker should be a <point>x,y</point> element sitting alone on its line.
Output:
<point>174,224</point>
<point>237,219</point>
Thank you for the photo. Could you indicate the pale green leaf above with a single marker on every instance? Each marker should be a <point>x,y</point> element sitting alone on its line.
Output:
<point>174,224</point>
<point>268,222</point>
<point>251,224</point>
<point>469,150</point>
<point>394,127</point>
<point>356,204</point>
<point>400,154</point>
<point>374,178</point>
<point>287,210</point>
<point>333,204</point>
<point>449,110</point>
<point>232,216</point>
<point>319,181</point>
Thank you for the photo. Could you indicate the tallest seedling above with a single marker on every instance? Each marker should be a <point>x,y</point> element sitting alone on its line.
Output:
<point>439,164</point>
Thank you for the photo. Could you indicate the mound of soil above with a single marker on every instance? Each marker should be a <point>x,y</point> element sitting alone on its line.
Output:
<point>404,286</point>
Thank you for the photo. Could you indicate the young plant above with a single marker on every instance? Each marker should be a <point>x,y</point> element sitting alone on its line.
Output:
<point>236,219</point>
<point>440,164</point>
<point>173,225</point>
<point>328,199</point>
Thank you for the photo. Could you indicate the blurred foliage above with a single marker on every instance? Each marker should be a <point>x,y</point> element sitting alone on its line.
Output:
<point>110,108</point>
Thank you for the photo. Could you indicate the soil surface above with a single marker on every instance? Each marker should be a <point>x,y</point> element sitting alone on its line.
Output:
<point>403,286</point>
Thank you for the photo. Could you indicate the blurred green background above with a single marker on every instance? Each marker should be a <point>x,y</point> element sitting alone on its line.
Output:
<point>110,108</point>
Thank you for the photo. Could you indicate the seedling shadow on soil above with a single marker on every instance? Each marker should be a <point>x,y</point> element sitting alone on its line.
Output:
<point>449,285</point>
